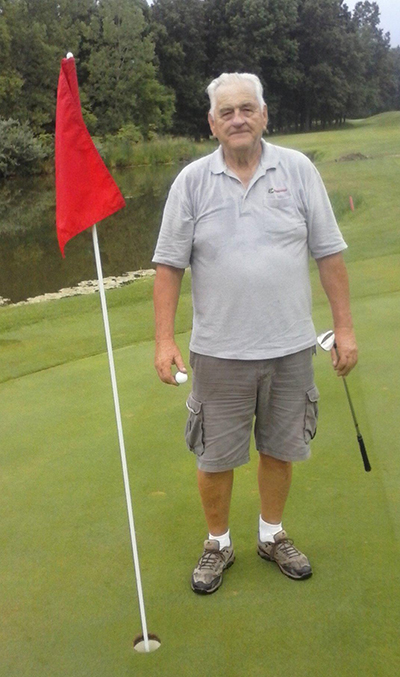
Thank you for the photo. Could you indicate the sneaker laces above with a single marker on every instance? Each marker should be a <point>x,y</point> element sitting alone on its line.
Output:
<point>209,557</point>
<point>288,548</point>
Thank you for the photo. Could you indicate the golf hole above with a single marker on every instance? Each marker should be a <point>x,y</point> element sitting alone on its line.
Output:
<point>139,643</point>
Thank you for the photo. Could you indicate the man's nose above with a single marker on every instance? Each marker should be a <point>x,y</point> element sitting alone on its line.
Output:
<point>238,118</point>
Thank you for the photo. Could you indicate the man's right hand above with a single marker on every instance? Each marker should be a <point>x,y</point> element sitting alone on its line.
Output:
<point>167,354</point>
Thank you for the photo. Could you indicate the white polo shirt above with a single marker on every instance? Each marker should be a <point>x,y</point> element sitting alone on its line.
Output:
<point>248,249</point>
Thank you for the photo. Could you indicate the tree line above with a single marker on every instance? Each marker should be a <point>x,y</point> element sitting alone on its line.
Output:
<point>143,68</point>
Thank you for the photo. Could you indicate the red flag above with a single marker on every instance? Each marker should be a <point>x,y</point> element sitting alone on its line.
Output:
<point>85,190</point>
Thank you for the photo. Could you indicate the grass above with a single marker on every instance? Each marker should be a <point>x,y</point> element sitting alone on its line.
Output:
<point>68,602</point>
<point>41,336</point>
<point>378,136</point>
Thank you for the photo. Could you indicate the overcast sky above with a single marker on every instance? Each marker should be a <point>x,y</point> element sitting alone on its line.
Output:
<point>390,18</point>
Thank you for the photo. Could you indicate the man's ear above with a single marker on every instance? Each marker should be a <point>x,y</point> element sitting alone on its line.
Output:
<point>211,123</point>
<point>265,116</point>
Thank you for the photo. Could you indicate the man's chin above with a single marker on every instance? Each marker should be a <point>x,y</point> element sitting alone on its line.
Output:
<point>240,142</point>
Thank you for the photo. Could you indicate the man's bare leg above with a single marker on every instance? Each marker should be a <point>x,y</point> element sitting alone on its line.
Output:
<point>274,479</point>
<point>215,492</point>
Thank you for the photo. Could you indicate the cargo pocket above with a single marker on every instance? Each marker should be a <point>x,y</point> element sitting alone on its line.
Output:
<point>311,415</point>
<point>194,432</point>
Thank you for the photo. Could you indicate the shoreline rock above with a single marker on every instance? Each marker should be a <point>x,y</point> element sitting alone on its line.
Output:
<point>83,288</point>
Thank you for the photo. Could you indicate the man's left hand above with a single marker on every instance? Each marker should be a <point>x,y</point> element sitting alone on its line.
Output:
<point>347,354</point>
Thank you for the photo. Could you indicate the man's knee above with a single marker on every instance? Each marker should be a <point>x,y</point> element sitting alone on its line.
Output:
<point>272,461</point>
<point>209,476</point>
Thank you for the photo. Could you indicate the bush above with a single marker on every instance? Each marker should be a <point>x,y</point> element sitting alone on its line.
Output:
<point>20,151</point>
<point>130,132</point>
<point>118,151</point>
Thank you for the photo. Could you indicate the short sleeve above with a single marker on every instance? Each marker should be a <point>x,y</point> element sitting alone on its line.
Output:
<point>174,244</point>
<point>324,236</point>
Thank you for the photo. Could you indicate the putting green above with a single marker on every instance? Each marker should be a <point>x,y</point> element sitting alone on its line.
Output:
<point>68,602</point>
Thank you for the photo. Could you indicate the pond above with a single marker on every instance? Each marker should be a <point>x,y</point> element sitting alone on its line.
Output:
<point>30,260</point>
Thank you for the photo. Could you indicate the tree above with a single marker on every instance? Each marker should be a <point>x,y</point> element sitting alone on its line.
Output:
<point>373,48</point>
<point>317,60</point>
<point>180,38</point>
<point>122,80</point>
<point>395,60</point>
<point>36,62</point>
<point>327,59</point>
<point>256,36</point>
<point>11,82</point>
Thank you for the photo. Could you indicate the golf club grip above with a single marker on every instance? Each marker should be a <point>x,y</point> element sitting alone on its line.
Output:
<point>363,450</point>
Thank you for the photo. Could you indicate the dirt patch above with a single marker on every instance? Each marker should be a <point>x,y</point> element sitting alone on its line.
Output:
<point>352,156</point>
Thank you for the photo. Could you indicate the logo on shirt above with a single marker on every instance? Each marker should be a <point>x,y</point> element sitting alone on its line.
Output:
<point>277,190</point>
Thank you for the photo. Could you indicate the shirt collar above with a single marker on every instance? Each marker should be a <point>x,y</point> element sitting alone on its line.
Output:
<point>218,165</point>
<point>269,158</point>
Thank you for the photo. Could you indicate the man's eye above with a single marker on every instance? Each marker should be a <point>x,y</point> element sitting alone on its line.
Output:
<point>227,115</point>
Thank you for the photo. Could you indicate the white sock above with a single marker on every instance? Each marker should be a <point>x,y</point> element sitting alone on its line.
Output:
<point>267,531</point>
<point>223,540</point>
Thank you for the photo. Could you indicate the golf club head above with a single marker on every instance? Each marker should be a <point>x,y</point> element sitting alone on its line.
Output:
<point>326,340</point>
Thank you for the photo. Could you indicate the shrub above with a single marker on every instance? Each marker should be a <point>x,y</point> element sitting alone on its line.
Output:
<point>130,133</point>
<point>118,151</point>
<point>20,151</point>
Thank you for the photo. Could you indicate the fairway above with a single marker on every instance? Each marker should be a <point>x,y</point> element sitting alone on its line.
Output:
<point>68,602</point>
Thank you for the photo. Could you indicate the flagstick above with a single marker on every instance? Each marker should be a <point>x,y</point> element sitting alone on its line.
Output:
<point>121,438</point>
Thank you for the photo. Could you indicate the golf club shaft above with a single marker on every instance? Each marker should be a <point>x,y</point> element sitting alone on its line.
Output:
<point>351,405</point>
<point>360,440</point>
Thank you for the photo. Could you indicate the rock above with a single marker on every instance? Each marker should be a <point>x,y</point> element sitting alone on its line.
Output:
<point>85,287</point>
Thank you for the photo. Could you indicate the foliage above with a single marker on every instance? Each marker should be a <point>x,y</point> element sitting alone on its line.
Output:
<point>256,36</point>
<point>179,28</point>
<point>34,58</point>
<point>318,61</point>
<point>122,82</point>
<point>19,150</point>
<point>148,65</point>
<point>130,132</point>
<point>395,58</point>
<point>122,152</point>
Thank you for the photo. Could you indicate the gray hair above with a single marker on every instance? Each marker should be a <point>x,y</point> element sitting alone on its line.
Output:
<point>234,78</point>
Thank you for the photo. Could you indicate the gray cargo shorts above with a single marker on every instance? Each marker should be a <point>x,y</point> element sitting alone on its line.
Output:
<point>227,394</point>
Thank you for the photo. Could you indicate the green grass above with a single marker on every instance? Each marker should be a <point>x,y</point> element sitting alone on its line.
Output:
<point>40,336</point>
<point>374,137</point>
<point>68,602</point>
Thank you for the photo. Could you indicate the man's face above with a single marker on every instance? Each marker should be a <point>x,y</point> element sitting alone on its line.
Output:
<point>238,121</point>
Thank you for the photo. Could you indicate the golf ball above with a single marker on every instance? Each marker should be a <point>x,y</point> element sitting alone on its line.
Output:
<point>180,377</point>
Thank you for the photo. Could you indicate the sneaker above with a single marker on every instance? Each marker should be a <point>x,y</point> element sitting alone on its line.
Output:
<point>291,561</point>
<point>207,576</point>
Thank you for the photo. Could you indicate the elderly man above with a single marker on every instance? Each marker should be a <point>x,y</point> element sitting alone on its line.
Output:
<point>245,218</point>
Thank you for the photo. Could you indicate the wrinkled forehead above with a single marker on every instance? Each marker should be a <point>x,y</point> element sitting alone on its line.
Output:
<point>235,94</point>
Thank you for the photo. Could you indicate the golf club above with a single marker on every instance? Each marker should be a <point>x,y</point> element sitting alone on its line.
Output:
<point>326,341</point>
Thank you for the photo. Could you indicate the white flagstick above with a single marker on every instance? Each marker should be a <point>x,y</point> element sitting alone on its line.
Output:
<point>121,439</point>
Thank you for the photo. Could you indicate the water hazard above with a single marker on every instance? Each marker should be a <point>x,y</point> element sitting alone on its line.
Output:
<point>30,260</point>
